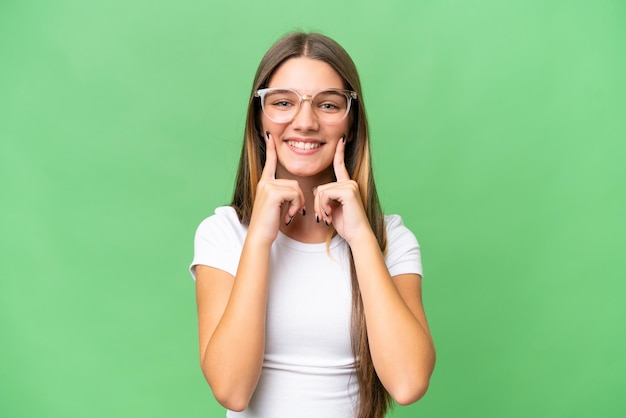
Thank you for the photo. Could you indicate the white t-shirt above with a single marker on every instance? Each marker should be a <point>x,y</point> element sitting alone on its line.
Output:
<point>308,369</point>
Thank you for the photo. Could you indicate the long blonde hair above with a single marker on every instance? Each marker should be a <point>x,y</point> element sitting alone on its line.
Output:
<point>374,400</point>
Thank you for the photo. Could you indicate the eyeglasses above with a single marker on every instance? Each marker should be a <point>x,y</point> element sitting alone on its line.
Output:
<point>281,105</point>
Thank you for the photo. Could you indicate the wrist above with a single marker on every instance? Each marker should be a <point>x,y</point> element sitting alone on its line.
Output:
<point>364,237</point>
<point>259,240</point>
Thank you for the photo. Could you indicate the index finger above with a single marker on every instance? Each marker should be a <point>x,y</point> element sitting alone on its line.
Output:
<point>339,165</point>
<point>269,170</point>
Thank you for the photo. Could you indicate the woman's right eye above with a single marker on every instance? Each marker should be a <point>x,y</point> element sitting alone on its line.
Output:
<point>282,103</point>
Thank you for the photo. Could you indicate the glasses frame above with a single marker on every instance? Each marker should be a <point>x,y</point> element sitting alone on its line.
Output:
<point>350,95</point>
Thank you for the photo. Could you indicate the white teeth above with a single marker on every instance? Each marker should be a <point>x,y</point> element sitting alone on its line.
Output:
<point>304,145</point>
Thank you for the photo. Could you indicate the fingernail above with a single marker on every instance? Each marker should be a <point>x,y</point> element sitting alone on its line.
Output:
<point>303,211</point>
<point>326,222</point>
<point>317,218</point>
<point>325,212</point>
<point>290,219</point>
<point>343,138</point>
<point>267,135</point>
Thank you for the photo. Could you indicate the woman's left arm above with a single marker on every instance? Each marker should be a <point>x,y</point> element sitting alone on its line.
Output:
<point>400,342</point>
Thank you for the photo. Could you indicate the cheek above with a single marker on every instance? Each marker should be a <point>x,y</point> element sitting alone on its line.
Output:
<point>338,130</point>
<point>275,129</point>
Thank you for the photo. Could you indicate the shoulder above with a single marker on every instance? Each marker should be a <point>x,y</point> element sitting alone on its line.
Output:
<point>396,230</point>
<point>218,241</point>
<point>223,222</point>
<point>402,254</point>
<point>393,220</point>
<point>224,218</point>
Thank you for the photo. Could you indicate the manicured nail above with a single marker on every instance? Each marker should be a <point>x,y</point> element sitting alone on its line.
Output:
<point>317,218</point>
<point>326,222</point>
<point>303,211</point>
<point>290,219</point>
<point>343,138</point>
<point>267,135</point>
<point>325,213</point>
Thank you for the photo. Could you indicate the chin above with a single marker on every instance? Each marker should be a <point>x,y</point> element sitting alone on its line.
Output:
<point>303,172</point>
<point>306,171</point>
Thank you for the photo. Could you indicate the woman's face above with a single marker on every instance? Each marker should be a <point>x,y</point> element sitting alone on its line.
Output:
<point>305,146</point>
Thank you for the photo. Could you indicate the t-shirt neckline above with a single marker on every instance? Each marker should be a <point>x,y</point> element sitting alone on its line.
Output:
<point>316,247</point>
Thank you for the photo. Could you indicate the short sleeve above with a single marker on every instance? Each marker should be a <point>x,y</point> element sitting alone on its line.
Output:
<point>403,251</point>
<point>218,242</point>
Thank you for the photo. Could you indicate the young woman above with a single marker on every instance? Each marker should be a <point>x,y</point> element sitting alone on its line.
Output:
<point>309,298</point>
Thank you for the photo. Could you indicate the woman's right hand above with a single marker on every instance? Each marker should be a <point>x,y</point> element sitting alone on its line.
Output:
<point>276,201</point>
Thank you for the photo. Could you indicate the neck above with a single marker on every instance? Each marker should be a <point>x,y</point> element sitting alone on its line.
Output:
<point>304,228</point>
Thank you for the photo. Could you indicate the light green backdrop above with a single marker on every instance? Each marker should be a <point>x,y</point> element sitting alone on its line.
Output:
<point>498,133</point>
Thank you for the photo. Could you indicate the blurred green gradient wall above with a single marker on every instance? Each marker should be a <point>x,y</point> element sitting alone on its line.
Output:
<point>498,133</point>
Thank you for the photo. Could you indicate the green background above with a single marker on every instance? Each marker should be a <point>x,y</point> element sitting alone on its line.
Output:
<point>498,134</point>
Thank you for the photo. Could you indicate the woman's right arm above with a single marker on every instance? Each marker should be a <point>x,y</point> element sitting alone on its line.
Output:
<point>231,310</point>
<point>231,326</point>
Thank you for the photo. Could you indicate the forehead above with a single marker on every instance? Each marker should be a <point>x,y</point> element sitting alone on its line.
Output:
<point>306,75</point>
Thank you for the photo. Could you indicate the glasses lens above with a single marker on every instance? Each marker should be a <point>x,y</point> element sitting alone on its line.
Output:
<point>330,106</point>
<point>281,105</point>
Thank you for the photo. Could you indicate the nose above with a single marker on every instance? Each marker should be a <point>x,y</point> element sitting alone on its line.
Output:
<point>305,119</point>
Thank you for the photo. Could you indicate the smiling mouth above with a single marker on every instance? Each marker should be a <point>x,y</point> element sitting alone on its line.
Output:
<point>304,145</point>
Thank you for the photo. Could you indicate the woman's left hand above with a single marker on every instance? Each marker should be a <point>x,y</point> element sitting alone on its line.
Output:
<point>340,202</point>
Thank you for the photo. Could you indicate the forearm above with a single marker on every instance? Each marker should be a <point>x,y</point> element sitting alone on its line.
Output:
<point>400,343</point>
<point>233,358</point>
